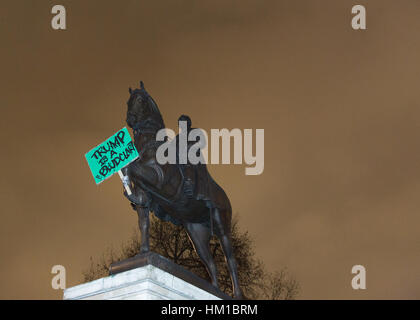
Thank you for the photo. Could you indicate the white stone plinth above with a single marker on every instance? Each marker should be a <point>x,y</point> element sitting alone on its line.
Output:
<point>144,283</point>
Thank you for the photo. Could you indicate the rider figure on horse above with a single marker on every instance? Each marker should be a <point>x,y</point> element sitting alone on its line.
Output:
<point>192,172</point>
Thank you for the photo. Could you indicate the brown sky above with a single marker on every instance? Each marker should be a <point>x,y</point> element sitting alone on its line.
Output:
<point>340,109</point>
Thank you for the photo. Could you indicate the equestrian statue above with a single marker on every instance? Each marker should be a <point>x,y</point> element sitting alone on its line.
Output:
<point>184,194</point>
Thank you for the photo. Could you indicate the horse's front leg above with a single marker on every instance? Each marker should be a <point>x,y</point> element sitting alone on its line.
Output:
<point>140,202</point>
<point>144,223</point>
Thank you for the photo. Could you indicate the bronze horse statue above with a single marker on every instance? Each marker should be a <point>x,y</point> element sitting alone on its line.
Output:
<point>162,189</point>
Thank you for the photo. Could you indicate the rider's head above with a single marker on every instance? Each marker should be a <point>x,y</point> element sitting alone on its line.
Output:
<point>187,119</point>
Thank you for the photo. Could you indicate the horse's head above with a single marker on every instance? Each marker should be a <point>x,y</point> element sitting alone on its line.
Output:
<point>143,113</point>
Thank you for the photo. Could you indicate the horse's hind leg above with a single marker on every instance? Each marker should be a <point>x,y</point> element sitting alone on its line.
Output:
<point>223,231</point>
<point>200,237</point>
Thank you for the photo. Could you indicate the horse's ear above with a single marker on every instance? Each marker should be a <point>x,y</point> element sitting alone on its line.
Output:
<point>141,85</point>
<point>130,90</point>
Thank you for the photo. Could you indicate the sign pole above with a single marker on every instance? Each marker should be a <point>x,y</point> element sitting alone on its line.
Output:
<point>124,180</point>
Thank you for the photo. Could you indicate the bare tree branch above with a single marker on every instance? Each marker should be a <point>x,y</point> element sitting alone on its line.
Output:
<point>173,243</point>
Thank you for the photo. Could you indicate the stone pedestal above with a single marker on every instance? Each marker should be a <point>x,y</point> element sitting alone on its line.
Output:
<point>146,277</point>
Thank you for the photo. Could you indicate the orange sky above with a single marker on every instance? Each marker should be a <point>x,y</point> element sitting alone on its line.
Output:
<point>340,110</point>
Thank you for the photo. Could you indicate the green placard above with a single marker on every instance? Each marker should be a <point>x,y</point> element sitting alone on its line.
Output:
<point>111,155</point>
